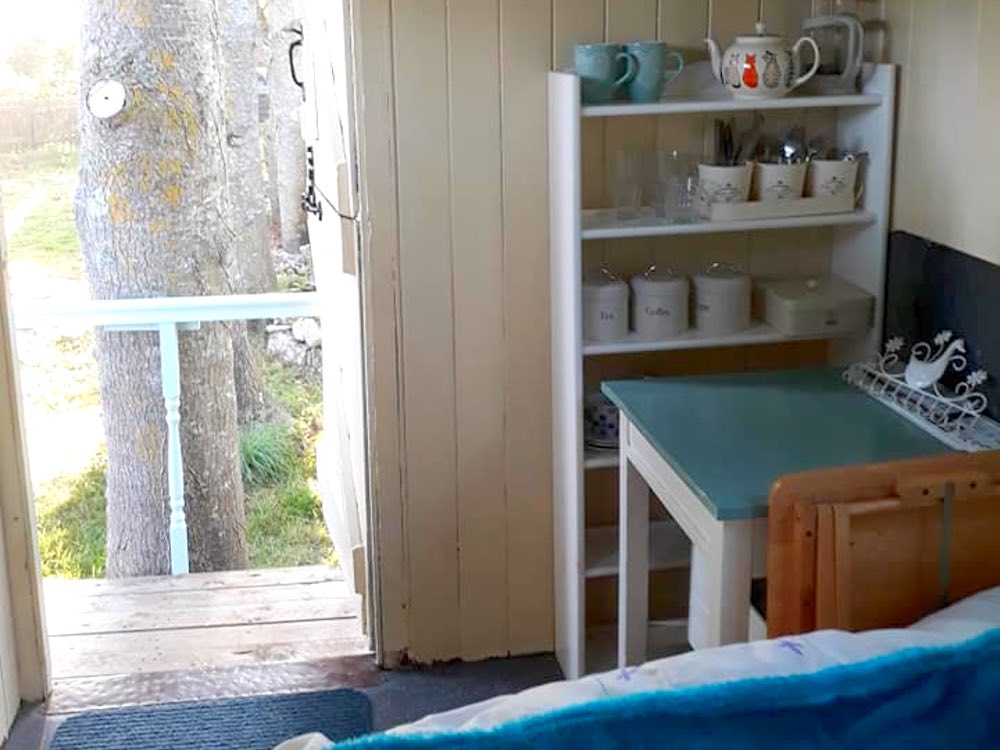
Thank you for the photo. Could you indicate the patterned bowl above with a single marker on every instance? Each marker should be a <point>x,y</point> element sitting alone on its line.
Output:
<point>600,421</point>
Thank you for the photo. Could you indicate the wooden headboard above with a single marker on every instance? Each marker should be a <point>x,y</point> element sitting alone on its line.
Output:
<point>881,545</point>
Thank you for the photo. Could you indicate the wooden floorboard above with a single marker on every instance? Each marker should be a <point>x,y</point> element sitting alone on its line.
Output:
<point>170,650</point>
<point>195,582</point>
<point>99,628</point>
<point>222,614</point>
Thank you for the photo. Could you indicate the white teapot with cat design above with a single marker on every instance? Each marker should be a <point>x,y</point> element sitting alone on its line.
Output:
<point>761,66</point>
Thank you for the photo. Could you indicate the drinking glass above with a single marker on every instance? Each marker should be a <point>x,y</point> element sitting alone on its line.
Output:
<point>676,186</point>
<point>627,184</point>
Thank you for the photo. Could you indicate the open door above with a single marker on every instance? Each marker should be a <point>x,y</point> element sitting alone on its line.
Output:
<point>10,697</point>
<point>328,131</point>
<point>23,659</point>
<point>10,694</point>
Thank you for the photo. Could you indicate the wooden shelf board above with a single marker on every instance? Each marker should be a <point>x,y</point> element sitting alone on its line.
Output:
<point>668,548</point>
<point>665,638</point>
<point>596,458</point>
<point>757,333</point>
<point>724,102</point>
<point>598,224</point>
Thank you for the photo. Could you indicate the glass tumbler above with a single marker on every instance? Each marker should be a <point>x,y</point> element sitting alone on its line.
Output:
<point>677,187</point>
<point>626,184</point>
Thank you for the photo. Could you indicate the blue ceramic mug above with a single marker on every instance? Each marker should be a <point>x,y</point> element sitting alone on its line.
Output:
<point>603,69</point>
<point>651,70</point>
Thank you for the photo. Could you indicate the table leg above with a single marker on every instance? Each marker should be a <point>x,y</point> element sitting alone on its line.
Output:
<point>633,563</point>
<point>720,591</point>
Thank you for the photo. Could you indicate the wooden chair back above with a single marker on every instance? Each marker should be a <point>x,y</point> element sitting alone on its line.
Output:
<point>881,545</point>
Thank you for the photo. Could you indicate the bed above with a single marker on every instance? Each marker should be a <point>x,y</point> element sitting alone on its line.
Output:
<point>929,538</point>
<point>934,684</point>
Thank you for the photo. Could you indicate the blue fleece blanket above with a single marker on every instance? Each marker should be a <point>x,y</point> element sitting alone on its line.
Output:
<point>947,697</point>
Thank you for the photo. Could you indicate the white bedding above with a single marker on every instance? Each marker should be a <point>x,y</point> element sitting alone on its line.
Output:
<point>782,656</point>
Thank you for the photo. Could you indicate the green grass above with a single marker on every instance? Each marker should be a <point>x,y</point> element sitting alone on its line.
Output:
<point>268,455</point>
<point>47,160</point>
<point>49,167</point>
<point>284,515</point>
<point>71,530</point>
<point>58,372</point>
<point>48,237</point>
<point>285,524</point>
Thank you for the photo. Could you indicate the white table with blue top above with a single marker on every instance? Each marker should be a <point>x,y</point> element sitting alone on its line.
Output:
<point>709,448</point>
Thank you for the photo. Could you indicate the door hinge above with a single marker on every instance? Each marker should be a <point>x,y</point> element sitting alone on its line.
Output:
<point>310,203</point>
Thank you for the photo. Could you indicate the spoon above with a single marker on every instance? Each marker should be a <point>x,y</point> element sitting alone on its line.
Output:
<point>816,148</point>
<point>792,149</point>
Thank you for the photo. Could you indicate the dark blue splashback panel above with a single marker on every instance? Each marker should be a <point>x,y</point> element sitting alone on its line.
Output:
<point>932,288</point>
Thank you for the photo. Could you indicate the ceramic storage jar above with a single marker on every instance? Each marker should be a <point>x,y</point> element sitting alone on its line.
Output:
<point>659,304</point>
<point>605,307</point>
<point>722,300</point>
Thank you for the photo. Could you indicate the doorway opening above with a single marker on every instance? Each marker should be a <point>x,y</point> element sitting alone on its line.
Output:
<point>190,364</point>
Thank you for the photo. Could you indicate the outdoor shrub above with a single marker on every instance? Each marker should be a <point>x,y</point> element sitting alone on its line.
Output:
<point>268,454</point>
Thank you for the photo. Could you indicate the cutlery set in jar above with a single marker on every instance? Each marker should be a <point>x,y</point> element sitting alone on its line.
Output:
<point>754,175</point>
<point>748,175</point>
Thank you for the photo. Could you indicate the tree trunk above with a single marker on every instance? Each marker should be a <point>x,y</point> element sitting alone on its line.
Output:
<point>153,217</point>
<point>264,49</point>
<point>252,267</point>
<point>289,148</point>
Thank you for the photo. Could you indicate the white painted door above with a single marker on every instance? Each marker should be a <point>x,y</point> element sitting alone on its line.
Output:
<point>328,128</point>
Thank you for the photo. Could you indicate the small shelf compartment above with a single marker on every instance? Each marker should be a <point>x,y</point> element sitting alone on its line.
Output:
<point>665,638</point>
<point>600,458</point>
<point>601,224</point>
<point>668,548</point>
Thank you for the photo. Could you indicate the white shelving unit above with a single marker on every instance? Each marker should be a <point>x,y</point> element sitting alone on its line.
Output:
<point>864,121</point>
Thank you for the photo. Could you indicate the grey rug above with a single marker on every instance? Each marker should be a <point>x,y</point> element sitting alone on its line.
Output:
<point>257,723</point>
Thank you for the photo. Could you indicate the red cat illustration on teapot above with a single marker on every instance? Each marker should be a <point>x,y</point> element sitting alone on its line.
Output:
<point>761,65</point>
<point>750,77</point>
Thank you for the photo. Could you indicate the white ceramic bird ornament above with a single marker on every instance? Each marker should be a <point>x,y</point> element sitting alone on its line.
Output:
<point>925,373</point>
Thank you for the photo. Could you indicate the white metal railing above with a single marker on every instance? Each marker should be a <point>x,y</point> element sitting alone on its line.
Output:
<point>167,316</point>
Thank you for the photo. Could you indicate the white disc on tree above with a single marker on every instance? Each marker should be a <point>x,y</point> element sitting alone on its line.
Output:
<point>106,99</point>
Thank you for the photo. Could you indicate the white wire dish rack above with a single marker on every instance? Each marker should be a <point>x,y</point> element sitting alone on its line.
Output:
<point>912,388</point>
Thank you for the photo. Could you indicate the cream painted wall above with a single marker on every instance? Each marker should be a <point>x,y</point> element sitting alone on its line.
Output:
<point>948,154</point>
<point>452,139</point>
